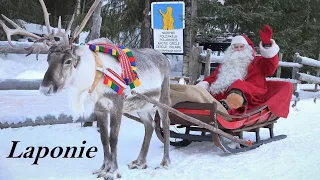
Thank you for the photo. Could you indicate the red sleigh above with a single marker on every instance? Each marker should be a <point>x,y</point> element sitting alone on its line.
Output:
<point>210,125</point>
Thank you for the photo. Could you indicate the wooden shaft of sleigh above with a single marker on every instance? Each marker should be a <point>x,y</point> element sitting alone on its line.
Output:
<point>193,120</point>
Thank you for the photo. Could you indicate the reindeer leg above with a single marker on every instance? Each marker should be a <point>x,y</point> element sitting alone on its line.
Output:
<point>165,163</point>
<point>115,122</point>
<point>165,99</point>
<point>148,123</point>
<point>102,118</point>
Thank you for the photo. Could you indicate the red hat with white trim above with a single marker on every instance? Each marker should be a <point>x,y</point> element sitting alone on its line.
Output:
<point>242,39</point>
<point>239,39</point>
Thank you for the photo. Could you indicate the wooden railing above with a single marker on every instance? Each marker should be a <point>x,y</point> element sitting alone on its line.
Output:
<point>200,59</point>
<point>297,77</point>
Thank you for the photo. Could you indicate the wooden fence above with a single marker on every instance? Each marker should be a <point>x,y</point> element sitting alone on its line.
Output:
<point>297,77</point>
<point>303,78</point>
<point>199,58</point>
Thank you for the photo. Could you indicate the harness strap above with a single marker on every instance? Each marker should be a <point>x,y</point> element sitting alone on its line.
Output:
<point>99,74</point>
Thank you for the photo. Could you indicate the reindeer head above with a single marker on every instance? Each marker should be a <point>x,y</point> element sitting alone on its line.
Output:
<point>63,56</point>
<point>62,63</point>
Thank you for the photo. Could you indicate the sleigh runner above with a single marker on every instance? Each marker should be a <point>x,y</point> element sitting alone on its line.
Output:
<point>192,121</point>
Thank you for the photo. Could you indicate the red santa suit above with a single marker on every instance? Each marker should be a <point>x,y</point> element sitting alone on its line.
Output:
<point>247,73</point>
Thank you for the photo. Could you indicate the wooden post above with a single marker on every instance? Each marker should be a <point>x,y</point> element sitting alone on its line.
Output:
<point>279,67</point>
<point>207,63</point>
<point>96,23</point>
<point>145,26</point>
<point>20,84</point>
<point>19,48</point>
<point>295,70</point>
<point>317,74</point>
<point>189,35</point>
<point>316,85</point>
<point>194,64</point>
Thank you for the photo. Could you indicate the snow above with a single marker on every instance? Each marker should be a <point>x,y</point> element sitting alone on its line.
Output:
<point>36,28</point>
<point>42,30</point>
<point>296,157</point>
<point>176,62</point>
<point>30,104</point>
<point>214,58</point>
<point>309,95</point>
<point>15,66</point>
<point>309,61</point>
<point>221,1</point>
<point>282,79</point>
<point>290,64</point>
<point>309,78</point>
<point>82,37</point>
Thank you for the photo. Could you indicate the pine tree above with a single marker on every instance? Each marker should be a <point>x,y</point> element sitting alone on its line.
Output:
<point>31,11</point>
<point>295,23</point>
<point>19,9</point>
<point>122,21</point>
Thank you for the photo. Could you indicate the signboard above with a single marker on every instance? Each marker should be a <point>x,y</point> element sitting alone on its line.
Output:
<point>167,22</point>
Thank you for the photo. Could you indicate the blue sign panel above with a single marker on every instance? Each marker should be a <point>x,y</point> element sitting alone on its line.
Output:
<point>167,15</point>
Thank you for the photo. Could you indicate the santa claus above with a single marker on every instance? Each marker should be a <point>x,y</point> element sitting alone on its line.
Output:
<point>240,81</point>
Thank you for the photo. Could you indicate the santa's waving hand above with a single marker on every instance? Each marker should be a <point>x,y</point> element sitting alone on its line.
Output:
<point>240,80</point>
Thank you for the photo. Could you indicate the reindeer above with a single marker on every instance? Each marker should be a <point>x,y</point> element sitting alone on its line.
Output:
<point>74,68</point>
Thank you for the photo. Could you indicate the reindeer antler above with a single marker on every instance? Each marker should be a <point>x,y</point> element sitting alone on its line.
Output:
<point>48,40</point>
<point>53,33</point>
<point>35,46</point>
<point>18,30</point>
<point>46,16</point>
<point>57,33</point>
<point>21,31</point>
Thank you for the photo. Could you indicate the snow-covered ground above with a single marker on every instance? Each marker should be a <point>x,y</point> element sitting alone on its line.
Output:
<point>296,157</point>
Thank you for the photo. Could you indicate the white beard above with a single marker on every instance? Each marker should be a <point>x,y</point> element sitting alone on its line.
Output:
<point>234,67</point>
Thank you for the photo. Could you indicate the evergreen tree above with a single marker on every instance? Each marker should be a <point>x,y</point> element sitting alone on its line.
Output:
<point>122,21</point>
<point>208,24</point>
<point>19,9</point>
<point>295,23</point>
<point>31,11</point>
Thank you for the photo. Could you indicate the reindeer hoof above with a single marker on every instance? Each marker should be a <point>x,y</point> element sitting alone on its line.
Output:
<point>112,176</point>
<point>164,165</point>
<point>107,175</point>
<point>100,173</point>
<point>135,165</point>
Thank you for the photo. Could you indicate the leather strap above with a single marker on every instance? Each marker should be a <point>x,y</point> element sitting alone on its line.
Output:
<point>99,74</point>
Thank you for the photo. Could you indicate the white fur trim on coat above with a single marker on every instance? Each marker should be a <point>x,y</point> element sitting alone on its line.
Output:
<point>269,52</point>
<point>204,84</point>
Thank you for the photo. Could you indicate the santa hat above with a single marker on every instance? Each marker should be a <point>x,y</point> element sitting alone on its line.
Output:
<point>242,39</point>
<point>239,39</point>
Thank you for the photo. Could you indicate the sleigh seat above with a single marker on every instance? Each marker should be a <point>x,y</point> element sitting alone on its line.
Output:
<point>264,116</point>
